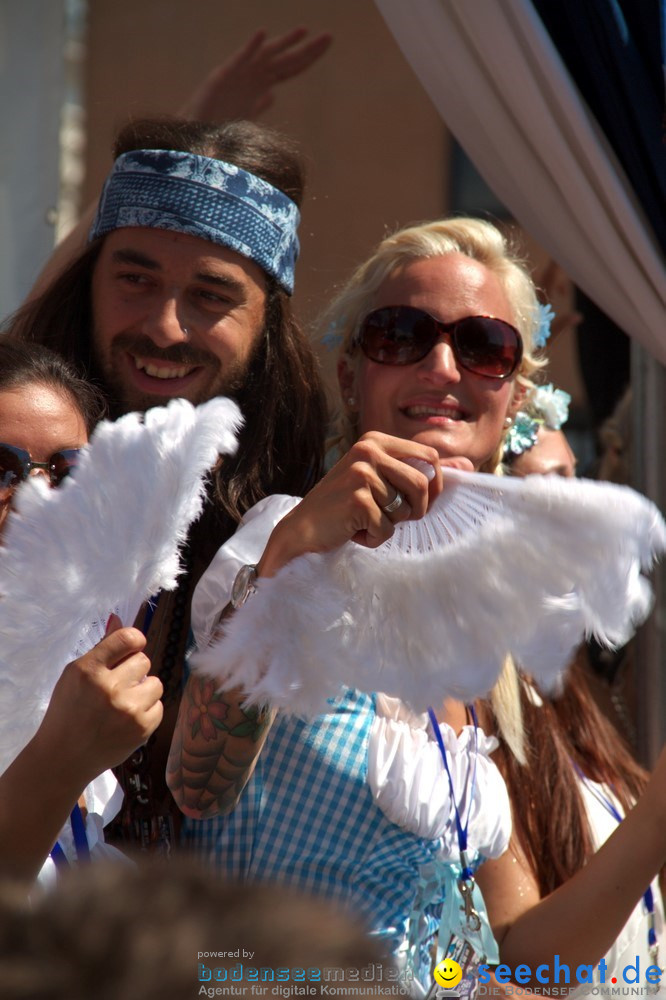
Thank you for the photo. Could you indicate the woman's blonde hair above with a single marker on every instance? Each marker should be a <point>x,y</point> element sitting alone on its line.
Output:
<point>483,242</point>
<point>475,238</point>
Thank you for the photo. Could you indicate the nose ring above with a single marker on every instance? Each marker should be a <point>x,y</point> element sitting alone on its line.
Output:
<point>186,332</point>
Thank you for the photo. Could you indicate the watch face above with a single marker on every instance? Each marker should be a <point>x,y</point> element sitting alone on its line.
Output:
<point>244,585</point>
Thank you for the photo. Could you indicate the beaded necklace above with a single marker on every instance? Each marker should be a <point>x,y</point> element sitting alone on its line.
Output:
<point>177,614</point>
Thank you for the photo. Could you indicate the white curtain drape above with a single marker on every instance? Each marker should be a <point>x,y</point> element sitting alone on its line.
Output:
<point>496,78</point>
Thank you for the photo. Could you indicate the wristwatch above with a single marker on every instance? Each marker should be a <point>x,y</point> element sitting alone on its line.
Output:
<point>244,585</point>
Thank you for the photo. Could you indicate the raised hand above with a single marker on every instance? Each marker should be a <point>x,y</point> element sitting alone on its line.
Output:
<point>242,87</point>
<point>349,503</point>
<point>102,708</point>
<point>104,705</point>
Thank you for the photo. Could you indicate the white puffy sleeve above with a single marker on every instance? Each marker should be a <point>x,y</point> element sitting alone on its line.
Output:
<point>409,783</point>
<point>245,546</point>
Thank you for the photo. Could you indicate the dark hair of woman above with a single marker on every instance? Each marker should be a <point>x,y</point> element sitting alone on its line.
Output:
<point>562,734</point>
<point>24,364</point>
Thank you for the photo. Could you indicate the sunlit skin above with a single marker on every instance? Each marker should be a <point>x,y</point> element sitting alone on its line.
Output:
<point>435,401</point>
<point>174,315</point>
<point>42,421</point>
<point>551,455</point>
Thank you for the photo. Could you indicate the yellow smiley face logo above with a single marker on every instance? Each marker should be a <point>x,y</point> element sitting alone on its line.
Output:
<point>448,973</point>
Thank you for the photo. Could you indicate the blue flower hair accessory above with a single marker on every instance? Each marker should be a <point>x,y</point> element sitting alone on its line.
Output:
<point>522,435</point>
<point>547,407</point>
<point>546,317</point>
<point>204,197</point>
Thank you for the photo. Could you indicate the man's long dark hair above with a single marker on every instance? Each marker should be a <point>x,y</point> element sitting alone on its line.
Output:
<point>283,402</point>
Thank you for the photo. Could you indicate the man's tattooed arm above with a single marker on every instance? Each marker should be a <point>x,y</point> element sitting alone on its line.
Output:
<point>215,748</point>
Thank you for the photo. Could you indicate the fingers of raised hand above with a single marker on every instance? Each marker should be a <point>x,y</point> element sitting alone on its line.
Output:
<point>397,508</point>
<point>275,46</point>
<point>402,488</point>
<point>128,684</point>
<point>369,521</point>
<point>350,501</point>
<point>247,51</point>
<point>152,719</point>
<point>293,58</point>
<point>114,648</point>
<point>277,59</point>
<point>145,693</point>
<point>140,709</point>
<point>241,87</point>
<point>132,709</point>
<point>98,716</point>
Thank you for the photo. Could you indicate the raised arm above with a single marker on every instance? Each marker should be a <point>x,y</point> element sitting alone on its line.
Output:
<point>581,919</point>
<point>103,707</point>
<point>215,748</point>
<point>217,742</point>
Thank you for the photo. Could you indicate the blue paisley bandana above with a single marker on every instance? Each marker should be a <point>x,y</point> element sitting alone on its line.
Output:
<point>217,201</point>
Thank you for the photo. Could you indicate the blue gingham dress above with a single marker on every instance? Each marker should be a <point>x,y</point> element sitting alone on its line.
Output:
<point>307,819</point>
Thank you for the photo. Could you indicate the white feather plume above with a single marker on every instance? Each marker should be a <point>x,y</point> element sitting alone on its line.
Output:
<point>497,566</point>
<point>105,541</point>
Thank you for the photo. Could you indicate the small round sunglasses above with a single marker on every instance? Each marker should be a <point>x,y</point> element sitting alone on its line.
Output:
<point>403,335</point>
<point>16,465</point>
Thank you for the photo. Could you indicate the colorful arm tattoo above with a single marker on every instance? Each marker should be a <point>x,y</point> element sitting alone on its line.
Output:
<point>215,748</point>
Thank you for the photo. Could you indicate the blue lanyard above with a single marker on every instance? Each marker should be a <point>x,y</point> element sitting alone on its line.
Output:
<point>466,881</point>
<point>461,829</point>
<point>59,856</point>
<point>80,841</point>
<point>648,897</point>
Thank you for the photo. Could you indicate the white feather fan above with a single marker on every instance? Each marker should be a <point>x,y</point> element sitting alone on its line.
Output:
<point>497,566</point>
<point>105,541</point>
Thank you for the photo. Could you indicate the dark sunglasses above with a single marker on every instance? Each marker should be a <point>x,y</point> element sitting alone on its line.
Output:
<point>403,335</point>
<point>16,465</point>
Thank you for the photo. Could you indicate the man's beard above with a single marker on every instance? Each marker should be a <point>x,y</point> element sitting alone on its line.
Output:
<point>126,398</point>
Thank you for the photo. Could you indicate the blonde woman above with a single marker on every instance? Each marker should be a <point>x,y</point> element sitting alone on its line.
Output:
<point>437,331</point>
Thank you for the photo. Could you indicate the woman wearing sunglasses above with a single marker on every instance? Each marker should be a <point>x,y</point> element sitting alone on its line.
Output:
<point>99,712</point>
<point>437,330</point>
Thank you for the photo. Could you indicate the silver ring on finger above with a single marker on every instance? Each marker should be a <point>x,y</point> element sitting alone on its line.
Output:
<point>395,504</point>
